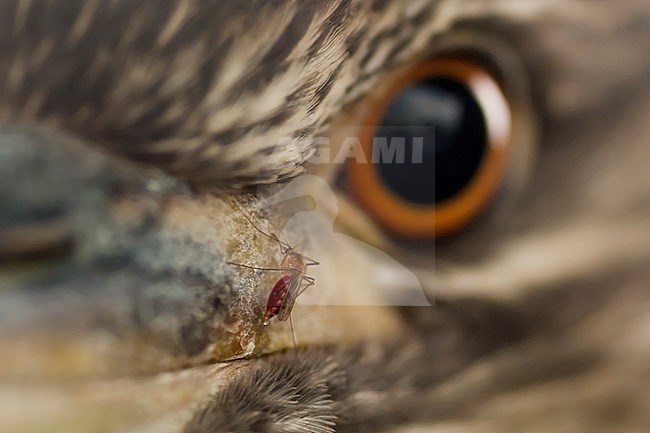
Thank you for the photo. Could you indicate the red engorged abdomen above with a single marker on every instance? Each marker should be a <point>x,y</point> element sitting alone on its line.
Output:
<point>276,298</point>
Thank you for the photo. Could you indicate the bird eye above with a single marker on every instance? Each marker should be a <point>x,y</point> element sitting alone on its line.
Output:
<point>436,146</point>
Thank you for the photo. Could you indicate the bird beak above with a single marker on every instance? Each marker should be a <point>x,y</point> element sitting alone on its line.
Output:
<point>118,305</point>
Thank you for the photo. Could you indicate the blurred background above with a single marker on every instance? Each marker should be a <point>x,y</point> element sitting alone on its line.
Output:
<point>471,176</point>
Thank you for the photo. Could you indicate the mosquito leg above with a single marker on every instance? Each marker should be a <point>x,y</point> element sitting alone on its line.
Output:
<point>258,268</point>
<point>286,241</point>
<point>310,282</point>
<point>310,262</point>
<point>284,247</point>
<point>272,236</point>
<point>293,334</point>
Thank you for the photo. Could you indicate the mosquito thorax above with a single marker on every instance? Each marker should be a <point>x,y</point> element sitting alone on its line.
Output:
<point>294,261</point>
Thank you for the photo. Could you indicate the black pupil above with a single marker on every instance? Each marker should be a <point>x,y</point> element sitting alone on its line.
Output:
<point>444,116</point>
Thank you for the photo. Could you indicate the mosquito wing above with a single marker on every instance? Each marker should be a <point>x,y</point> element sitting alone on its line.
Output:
<point>276,298</point>
<point>293,288</point>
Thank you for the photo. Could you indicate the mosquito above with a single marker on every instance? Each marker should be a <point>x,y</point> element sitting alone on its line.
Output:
<point>287,289</point>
